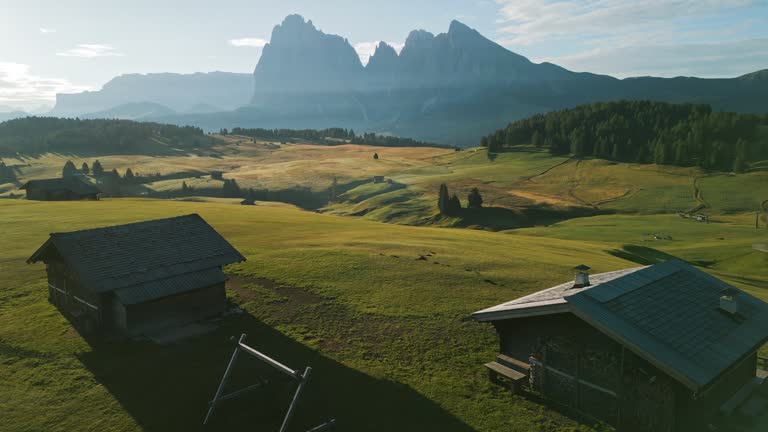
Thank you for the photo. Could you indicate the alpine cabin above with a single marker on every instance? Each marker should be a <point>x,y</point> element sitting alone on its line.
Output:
<point>660,348</point>
<point>138,277</point>
<point>72,188</point>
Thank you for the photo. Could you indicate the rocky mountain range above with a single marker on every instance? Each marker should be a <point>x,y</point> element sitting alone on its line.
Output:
<point>176,92</point>
<point>452,88</point>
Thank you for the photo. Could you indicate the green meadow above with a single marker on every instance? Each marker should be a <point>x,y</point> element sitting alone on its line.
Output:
<point>376,309</point>
<point>370,288</point>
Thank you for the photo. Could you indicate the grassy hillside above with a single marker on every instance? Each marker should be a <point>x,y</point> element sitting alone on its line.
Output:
<point>521,187</point>
<point>382,328</point>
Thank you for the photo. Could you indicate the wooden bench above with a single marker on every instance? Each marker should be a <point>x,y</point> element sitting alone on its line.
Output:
<point>513,363</point>
<point>498,372</point>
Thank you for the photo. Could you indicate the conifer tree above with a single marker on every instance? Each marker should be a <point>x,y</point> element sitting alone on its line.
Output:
<point>84,169</point>
<point>474,199</point>
<point>69,169</point>
<point>537,140</point>
<point>443,199</point>
<point>98,170</point>
<point>740,161</point>
<point>454,206</point>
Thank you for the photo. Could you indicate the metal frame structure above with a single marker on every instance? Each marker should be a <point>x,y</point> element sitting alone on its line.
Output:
<point>301,377</point>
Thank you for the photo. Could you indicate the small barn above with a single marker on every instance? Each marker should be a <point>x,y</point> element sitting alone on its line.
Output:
<point>658,348</point>
<point>138,277</point>
<point>378,179</point>
<point>61,189</point>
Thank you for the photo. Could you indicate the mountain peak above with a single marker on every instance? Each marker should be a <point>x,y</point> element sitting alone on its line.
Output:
<point>296,20</point>
<point>458,26</point>
<point>384,59</point>
<point>418,38</point>
<point>299,57</point>
<point>385,49</point>
<point>294,29</point>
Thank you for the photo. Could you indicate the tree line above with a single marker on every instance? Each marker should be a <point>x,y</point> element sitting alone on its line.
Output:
<point>35,135</point>
<point>111,181</point>
<point>644,132</point>
<point>330,136</point>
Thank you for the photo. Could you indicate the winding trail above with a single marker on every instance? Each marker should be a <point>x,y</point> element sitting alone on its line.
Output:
<point>530,178</point>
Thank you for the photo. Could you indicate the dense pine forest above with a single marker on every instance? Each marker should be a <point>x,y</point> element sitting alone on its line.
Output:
<point>35,135</point>
<point>644,132</point>
<point>331,136</point>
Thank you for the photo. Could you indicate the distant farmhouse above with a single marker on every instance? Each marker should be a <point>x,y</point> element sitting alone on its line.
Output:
<point>138,277</point>
<point>61,189</point>
<point>659,348</point>
<point>378,179</point>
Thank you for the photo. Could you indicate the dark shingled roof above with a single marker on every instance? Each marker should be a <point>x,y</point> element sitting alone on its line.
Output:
<point>74,184</point>
<point>669,314</point>
<point>169,286</point>
<point>148,257</point>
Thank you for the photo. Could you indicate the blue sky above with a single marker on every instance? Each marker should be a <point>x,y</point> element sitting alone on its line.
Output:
<point>51,46</point>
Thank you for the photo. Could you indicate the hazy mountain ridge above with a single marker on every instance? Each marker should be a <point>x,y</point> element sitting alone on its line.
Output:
<point>451,88</point>
<point>133,111</point>
<point>179,92</point>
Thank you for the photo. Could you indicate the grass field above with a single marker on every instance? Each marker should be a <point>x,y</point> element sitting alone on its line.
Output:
<point>382,329</point>
<point>525,186</point>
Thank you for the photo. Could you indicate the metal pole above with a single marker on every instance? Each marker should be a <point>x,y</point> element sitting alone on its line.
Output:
<point>223,380</point>
<point>270,361</point>
<point>294,402</point>
<point>323,426</point>
<point>237,393</point>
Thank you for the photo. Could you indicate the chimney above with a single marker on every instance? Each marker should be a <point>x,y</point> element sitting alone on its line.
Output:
<point>582,276</point>
<point>728,302</point>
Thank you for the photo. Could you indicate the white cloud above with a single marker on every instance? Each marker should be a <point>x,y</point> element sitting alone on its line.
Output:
<point>248,42</point>
<point>726,59</point>
<point>91,51</point>
<point>44,30</point>
<point>366,49</point>
<point>20,87</point>
<point>632,38</point>
<point>525,22</point>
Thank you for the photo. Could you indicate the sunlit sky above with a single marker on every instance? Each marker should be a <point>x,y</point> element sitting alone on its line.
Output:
<point>50,46</point>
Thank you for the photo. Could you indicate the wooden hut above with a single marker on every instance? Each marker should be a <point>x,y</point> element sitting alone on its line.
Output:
<point>61,189</point>
<point>378,179</point>
<point>658,348</point>
<point>137,277</point>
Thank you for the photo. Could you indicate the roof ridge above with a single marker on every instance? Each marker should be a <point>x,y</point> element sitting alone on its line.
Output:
<point>129,224</point>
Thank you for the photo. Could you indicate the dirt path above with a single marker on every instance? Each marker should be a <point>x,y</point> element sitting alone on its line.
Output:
<point>530,179</point>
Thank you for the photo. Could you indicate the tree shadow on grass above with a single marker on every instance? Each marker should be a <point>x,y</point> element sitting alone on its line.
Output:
<point>502,218</point>
<point>167,388</point>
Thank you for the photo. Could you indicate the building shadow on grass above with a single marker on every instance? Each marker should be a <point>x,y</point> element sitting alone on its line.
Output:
<point>167,388</point>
